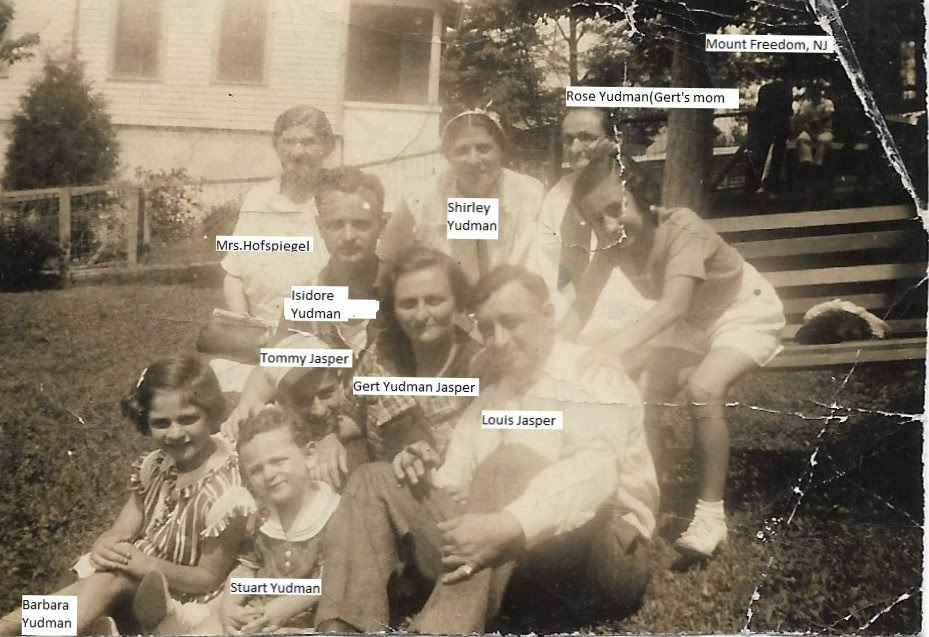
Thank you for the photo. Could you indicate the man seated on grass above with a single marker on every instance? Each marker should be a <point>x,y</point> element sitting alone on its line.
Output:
<point>526,498</point>
<point>351,218</point>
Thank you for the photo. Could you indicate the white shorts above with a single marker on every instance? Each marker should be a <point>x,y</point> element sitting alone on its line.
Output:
<point>752,324</point>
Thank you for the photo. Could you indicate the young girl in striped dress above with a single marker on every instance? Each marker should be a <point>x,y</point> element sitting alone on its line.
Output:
<point>177,536</point>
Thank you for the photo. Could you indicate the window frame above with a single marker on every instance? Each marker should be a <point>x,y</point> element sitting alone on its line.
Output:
<point>414,5</point>
<point>158,74</point>
<point>266,52</point>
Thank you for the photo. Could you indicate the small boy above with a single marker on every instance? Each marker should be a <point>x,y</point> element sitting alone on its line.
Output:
<point>315,397</point>
<point>274,458</point>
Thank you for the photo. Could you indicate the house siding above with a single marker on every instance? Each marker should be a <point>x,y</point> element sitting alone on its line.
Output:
<point>218,130</point>
<point>302,66</point>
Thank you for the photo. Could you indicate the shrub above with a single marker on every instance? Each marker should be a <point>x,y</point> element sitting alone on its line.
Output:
<point>222,218</point>
<point>172,203</point>
<point>98,228</point>
<point>24,252</point>
<point>62,134</point>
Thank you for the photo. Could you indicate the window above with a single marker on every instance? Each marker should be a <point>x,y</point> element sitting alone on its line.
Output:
<point>242,35</point>
<point>138,39</point>
<point>388,54</point>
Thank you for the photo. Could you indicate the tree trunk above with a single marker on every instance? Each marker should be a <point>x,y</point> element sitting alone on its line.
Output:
<point>572,48</point>
<point>690,134</point>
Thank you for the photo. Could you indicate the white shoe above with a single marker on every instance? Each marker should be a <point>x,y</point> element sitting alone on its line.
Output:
<point>104,625</point>
<point>704,536</point>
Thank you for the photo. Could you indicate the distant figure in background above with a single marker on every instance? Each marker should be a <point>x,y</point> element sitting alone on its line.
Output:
<point>768,128</point>
<point>813,126</point>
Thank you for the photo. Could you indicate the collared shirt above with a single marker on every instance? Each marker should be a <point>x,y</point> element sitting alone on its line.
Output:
<point>685,245</point>
<point>267,277</point>
<point>422,218</point>
<point>600,456</point>
<point>561,249</point>
<point>435,415</point>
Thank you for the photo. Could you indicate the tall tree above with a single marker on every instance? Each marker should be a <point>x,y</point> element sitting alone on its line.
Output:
<point>13,50</point>
<point>62,134</point>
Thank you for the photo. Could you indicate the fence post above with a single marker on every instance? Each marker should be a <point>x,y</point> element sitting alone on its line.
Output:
<point>132,226</point>
<point>64,236</point>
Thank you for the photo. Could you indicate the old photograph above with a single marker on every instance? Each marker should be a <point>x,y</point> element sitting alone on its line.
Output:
<point>462,316</point>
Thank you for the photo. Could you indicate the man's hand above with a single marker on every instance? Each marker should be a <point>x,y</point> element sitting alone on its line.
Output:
<point>331,461</point>
<point>413,463</point>
<point>472,541</point>
<point>110,552</point>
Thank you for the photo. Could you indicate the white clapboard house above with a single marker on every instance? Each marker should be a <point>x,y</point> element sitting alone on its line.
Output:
<point>197,84</point>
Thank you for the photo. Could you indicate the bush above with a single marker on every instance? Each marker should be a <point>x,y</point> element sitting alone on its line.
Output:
<point>172,203</point>
<point>222,218</point>
<point>98,228</point>
<point>24,252</point>
<point>62,134</point>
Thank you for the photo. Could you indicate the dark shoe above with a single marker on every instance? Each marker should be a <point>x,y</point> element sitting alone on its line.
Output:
<point>150,604</point>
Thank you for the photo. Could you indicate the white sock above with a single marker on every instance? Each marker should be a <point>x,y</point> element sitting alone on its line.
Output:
<point>713,510</point>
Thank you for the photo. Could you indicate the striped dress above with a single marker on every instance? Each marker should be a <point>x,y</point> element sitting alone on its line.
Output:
<point>181,510</point>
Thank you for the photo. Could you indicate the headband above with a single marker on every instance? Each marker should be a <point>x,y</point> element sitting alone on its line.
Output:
<point>476,112</point>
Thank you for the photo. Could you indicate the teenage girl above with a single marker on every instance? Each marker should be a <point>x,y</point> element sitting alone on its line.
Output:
<point>181,527</point>
<point>715,318</point>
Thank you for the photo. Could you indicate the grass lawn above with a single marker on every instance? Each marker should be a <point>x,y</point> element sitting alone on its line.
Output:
<point>825,491</point>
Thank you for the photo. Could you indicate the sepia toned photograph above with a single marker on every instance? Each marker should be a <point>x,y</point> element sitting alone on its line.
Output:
<point>462,316</point>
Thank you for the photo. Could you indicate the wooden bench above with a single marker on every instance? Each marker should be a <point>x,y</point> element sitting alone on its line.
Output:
<point>873,257</point>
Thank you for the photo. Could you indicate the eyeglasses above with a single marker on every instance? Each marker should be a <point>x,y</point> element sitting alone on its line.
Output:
<point>305,142</point>
<point>586,139</point>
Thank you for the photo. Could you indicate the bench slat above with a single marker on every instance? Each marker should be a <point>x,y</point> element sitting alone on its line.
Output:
<point>850,274</point>
<point>811,356</point>
<point>824,245</point>
<point>812,219</point>
<point>898,326</point>
<point>871,302</point>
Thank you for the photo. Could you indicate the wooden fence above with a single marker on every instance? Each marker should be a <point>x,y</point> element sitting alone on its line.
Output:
<point>136,232</point>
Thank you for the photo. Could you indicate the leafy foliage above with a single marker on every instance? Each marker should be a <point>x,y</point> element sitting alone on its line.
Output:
<point>13,50</point>
<point>489,60</point>
<point>24,251</point>
<point>173,202</point>
<point>62,134</point>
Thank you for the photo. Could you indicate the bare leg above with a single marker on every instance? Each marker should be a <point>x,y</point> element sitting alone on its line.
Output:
<point>667,371</point>
<point>706,390</point>
<point>96,594</point>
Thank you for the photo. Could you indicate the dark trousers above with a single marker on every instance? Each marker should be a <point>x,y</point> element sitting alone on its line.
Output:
<point>380,528</point>
<point>761,138</point>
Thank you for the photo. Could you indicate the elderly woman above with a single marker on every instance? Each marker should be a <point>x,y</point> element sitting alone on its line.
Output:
<point>475,146</point>
<point>257,282</point>
<point>563,243</point>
